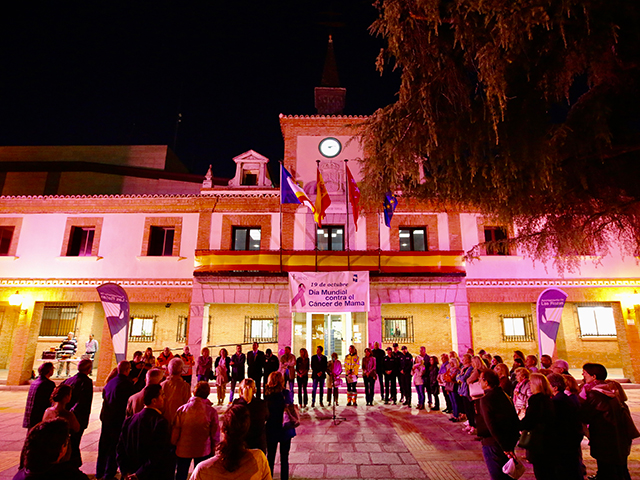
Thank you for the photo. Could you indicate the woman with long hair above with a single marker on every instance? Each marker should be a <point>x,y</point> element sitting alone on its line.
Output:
<point>417,370</point>
<point>277,398</point>
<point>433,387</point>
<point>369,375</point>
<point>451,387</point>
<point>233,460</point>
<point>60,397</point>
<point>334,370</point>
<point>302,377</point>
<point>540,420</point>
<point>223,364</point>
<point>351,366</point>
<point>148,359</point>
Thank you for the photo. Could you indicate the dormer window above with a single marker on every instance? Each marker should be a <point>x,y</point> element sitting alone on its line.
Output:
<point>250,177</point>
<point>251,171</point>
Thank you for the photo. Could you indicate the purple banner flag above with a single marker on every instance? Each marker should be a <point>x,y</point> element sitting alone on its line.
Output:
<point>115,303</point>
<point>549,311</point>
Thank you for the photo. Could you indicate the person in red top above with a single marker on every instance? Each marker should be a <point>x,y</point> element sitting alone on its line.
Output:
<point>189,362</point>
<point>164,358</point>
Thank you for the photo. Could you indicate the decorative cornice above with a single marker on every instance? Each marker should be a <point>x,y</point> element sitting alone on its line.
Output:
<point>49,197</point>
<point>537,282</point>
<point>235,193</point>
<point>282,115</point>
<point>93,282</point>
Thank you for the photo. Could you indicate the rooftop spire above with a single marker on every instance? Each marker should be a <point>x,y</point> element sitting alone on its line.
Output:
<point>330,97</point>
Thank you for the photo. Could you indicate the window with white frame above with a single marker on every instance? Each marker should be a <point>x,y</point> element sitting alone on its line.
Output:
<point>596,321</point>
<point>260,329</point>
<point>517,328</point>
<point>161,241</point>
<point>183,324</point>
<point>142,328</point>
<point>81,241</point>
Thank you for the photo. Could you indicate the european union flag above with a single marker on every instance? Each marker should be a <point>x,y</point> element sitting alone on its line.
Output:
<point>389,205</point>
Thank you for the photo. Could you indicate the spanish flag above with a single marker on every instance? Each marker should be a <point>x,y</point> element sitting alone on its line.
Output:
<point>290,191</point>
<point>322,200</point>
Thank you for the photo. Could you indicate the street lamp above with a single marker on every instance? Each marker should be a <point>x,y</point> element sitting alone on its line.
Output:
<point>16,300</point>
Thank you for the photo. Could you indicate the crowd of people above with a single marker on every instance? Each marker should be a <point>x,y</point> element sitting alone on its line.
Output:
<point>155,425</point>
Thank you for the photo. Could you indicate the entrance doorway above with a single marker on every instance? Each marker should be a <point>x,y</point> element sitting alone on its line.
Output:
<point>333,331</point>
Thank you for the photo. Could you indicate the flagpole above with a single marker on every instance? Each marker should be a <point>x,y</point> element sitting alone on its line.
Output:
<point>281,165</point>
<point>379,246</point>
<point>346,194</point>
<point>319,219</point>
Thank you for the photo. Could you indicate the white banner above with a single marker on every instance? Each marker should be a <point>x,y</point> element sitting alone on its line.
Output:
<point>329,292</point>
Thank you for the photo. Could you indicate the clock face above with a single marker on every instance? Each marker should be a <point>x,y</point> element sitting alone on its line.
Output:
<point>330,147</point>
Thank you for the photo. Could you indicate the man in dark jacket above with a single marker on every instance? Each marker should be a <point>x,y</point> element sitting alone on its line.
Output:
<point>115,395</point>
<point>255,366</point>
<point>80,404</point>
<point>319,374</point>
<point>378,354</point>
<point>391,368</point>
<point>406,363</point>
<point>38,399</point>
<point>144,448</point>
<point>497,425</point>
<point>271,364</point>
<point>238,360</point>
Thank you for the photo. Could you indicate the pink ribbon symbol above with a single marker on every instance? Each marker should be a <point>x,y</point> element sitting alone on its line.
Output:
<point>299,296</point>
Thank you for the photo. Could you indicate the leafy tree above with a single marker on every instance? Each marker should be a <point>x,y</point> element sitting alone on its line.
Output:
<point>524,110</point>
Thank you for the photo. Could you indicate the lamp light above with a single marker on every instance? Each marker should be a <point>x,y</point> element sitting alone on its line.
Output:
<point>16,299</point>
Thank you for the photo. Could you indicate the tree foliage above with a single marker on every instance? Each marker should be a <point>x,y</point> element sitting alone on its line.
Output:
<point>525,110</point>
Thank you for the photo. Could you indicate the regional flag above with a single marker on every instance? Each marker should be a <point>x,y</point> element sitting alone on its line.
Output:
<point>322,200</point>
<point>354,196</point>
<point>390,203</point>
<point>290,191</point>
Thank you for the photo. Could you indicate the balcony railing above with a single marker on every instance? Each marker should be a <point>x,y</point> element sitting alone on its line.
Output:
<point>276,261</point>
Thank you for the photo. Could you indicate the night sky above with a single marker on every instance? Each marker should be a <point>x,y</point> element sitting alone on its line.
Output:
<point>118,73</point>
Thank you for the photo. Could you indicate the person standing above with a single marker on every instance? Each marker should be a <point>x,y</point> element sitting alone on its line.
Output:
<point>144,447</point>
<point>176,391</point>
<point>238,360</point>
<point>115,395</point>
<point>135,403</point>
<point>378,354</point>
<point>369,375</point>
<point>418,380</point>
<point>91,347</point>
<point>271,364</point>
<point>398,372</point>
<point>188,362</point>
<point>66,350</point>
<point>148,358</point>
<point>288,367</point>
<point>195,431</point>
<point>498,425</point>
<point>138,371</point>
<point>406,364</point>
<point>302,377</point>
<point>257,435</point>
<point>391,369</point>
<point>80,404</point>
<point>319,374</point>
<point>255,366</point>
<point>164,358</point>
<point>433,387</point>
<point>222,374</point>
<point>277,397</point>
<point>334,370</point>
<point>351,366</point>
<point>204,369</point>
<point>38,399</point>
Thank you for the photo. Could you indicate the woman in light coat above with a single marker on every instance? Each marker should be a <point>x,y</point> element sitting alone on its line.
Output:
<point>417,370</point>
<point>195,431</point>
<point>351,366</point>
<point>334,370</point>
<point>223,365</point>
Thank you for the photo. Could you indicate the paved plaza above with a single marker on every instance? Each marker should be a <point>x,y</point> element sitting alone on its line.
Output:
<point>383,441</point>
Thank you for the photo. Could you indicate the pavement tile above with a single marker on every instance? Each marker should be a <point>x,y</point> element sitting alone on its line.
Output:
<point>407,458</point>
<point>341,447</point>
<point>299,457</point>
<point>341,471</point>
<point>394,447</point>
<point>385,459</point>
<point>368,447</point>
<point>375,471</point>
<point>315,458</point>
<point>308,471</point>
<point>355,458</point>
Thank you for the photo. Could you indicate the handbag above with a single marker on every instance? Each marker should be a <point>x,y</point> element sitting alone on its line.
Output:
<point>290,416</point>
<point>475,390</point>
<point>525,439</point>
<point>514,468</point>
